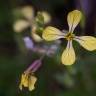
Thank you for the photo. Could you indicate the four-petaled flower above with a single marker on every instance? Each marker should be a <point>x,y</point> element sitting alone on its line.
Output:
<point>52,33</point>
<point>28,80</point>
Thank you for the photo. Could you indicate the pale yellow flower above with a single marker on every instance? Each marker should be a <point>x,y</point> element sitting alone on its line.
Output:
<point>22,24</point>
<point>28,80</point>
<point>52,33</point>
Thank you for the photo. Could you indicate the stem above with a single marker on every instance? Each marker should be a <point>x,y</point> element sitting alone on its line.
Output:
<point>36,64</point>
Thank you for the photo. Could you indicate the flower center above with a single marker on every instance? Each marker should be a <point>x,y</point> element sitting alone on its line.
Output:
<point>69,36</point>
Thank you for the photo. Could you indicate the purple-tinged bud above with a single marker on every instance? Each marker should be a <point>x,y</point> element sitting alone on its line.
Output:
<point>28,43</point>
<point>34,66</point>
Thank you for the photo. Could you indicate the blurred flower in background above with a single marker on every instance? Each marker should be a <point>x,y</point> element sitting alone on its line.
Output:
<point>35,24</point>
<point>27,14</point>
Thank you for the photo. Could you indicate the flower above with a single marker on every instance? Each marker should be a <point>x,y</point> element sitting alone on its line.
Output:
<point>52,33</point>
<point>28,80</point>
<point>31,21</point>
<point>21,24</point>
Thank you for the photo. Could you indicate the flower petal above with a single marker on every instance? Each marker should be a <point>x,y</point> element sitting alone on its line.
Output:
<point>47,17</point>
<point>68,56</point>
<point>52,33</point>
<point>28,12</point>
<point>32,81</point>
<point>25,80</point>
<point>36,37</point>
<point>20,25</point>
<point>88,42</point>
<point>73,19</point>
<point>20,86</point>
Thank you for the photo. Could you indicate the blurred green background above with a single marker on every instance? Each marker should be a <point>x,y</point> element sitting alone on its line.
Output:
<point>54,79</point>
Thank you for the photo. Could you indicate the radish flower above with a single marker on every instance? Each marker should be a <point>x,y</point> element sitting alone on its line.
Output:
<point>68,56</point>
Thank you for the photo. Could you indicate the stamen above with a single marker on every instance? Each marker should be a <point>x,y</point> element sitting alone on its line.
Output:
<point>70,36</point>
